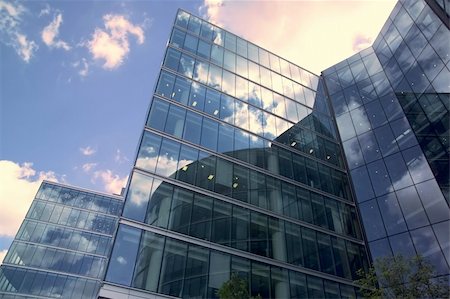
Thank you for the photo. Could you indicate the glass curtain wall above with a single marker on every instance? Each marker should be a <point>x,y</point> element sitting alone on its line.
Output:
<point>239,170</point>
<point>62,247</point>
<point>391,103</point>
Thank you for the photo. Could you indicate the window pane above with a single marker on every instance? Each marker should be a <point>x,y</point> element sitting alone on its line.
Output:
<point>212,104</point>
<point>209,134</point>
<point>186,66</point>
<point>197,96</point>
<point>165,84</point>
<point>159,206</point>
<point>187,165</point>
<point>123,257</point>
<point>201,217</point>
<point>192,127</point>
<point>172,59</point>
<point>137,197</point>
<point>168,158</point>
<point>173,267</point>
<point>149,262</point>
<point>180,213</point>
<point>148,152</point>
<point>175,123</point>
<point>181,90</point>
<point>217,55</point>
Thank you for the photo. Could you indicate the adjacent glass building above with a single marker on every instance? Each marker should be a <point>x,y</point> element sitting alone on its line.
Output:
<point>61,249</point>
<point>250,164</point>
<point>391,103</point>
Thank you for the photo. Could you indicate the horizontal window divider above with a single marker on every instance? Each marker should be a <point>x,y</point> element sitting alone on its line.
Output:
<point>232,251</point>
<point>21,295</point>
<point>249,206</point>
<point>60,248</point>
<point>290,149</point>
<point>128,290</point>
<point>75,207</point>
<point>52,272</point>
<point>71,227</point>
<point>250,166</point>
<point>65,186</point>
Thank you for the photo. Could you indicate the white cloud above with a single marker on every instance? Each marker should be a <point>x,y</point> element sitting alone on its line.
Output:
<point>50,33</point>
<point>82,66</point>
<point>14,10</point>
<point>84,69</point>
<point>312,34</point>
<point>360,42</point>
<point>19,184</point>
<point>10,33</point>
<point>2,255</point>
<point>119,157</point>
<point>24,47</point>
<point>111,44</point>
<point>87,151</point>
<point>112,183</point>
<point>88,166</point>
<point>45,11</point>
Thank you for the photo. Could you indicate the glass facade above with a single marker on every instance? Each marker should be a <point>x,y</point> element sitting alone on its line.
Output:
<point>62,247</point>
<point>391,103</point>
<point>251,165</point>
<point>239,170</point>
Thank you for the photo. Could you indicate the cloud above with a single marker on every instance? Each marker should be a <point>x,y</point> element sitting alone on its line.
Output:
<point>50,33</point>
<point>112,183</point>
<point>88,166</point>
<point>83,67</point>
<point>312,34</point>
<point>87,151</point>
<point>14,10</point>
<point>360,42</point>
<point>45,11</point>
<point>19,184</point>
<point>111,43</point>
<point>10,33</point>
<point>119,157</point>
<point>24,47</point>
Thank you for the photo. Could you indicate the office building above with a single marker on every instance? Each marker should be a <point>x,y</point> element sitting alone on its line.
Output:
<point>252,165</point>
<point>61,249</point>
<point>391,103</point>
<point>239,170</point>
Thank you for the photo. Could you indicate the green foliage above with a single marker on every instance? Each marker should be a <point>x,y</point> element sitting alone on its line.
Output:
<point>400,277</point>
<point>235,288</point>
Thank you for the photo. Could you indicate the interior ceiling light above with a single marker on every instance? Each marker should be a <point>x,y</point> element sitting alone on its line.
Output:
<point>216,112</point>
<point>311,151</point>
<point>185,168</point>
<point>210,177</point>
<point>235,185</point>
<point>293,143</point>
<point>328,157</point>
<point>194,103</point>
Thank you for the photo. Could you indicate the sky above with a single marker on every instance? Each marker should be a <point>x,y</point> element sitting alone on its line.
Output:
<point>77,77</point>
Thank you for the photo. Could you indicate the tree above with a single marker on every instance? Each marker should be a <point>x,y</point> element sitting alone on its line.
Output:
<point>400,277</point>
<point>235,288</point>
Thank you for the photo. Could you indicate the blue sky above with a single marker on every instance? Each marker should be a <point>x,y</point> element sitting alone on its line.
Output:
<point>77,77</point>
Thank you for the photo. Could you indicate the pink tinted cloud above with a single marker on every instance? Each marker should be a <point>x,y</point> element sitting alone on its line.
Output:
<point>313,34</point>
